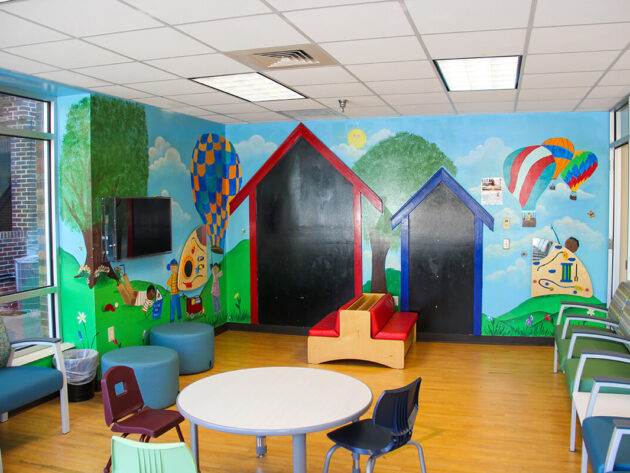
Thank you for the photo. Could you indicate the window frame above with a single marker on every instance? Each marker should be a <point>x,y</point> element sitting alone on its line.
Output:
<point>51,288</point>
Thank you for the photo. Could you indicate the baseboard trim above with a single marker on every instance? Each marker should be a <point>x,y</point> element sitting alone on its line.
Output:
<point>421,337</point>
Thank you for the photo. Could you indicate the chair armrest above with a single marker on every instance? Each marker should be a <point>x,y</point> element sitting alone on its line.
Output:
<point>596,355</point>
<point>35,341</point>
<point>578,305</point>
<point>604,382</point>
<point>622,427</point>
<point>568,318</point>
<point>622,423</point>
<point>586,332</point>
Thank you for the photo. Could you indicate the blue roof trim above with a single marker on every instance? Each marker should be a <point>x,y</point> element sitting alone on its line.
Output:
<point>443,176</point>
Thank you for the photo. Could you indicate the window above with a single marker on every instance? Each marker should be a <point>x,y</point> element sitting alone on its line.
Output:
<point>621,122</point>
<point>26,276</point>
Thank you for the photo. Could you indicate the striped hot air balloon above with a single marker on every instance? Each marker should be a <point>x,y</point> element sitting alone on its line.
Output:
<point>527,172</point>
<point>581,167</point>
<point>215,178</point>
<point>562,150</point>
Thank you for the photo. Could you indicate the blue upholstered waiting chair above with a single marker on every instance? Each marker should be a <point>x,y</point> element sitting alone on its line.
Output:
<point>606,444</point>
<point>389,428</point>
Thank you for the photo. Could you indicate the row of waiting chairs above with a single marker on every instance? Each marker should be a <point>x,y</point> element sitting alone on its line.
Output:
<point>390,428</point>
<point>593,351</point>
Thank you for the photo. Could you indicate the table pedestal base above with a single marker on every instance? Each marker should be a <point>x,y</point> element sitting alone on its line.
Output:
<point>261,446</point>
<point>299,453</point>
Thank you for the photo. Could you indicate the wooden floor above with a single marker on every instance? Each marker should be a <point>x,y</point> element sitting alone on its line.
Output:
<point>483,408</point>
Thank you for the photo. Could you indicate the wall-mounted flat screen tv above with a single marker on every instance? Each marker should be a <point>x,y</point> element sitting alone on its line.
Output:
<point>135,226</point>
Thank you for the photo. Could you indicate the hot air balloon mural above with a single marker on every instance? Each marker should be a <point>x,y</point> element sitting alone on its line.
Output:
<point>579,169</point>
<point>215,178</point>
<point>527,172</point>
<point>562,150</point>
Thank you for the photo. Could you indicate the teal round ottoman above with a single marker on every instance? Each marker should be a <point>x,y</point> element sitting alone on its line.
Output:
<point>193,342</point>
<point>156,369</point>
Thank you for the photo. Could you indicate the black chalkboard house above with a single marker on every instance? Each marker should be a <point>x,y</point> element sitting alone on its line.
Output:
<point>305,232</point>
<point>442,256</point>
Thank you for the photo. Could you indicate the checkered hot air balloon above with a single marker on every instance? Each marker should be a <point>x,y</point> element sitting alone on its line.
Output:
<point>581,167</point>
<point>215,178</point>
<point>527,172</point>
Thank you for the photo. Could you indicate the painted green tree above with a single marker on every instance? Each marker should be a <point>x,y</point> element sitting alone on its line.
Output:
<point>103,154</point>
<point>395,168</point>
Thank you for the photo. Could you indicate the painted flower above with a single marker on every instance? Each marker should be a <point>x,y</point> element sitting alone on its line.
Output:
<point>547,318</point>
<point>590,311</point>
<point>81,317</point>
<point>236,296</point>
<point>80,336</point>
<point>529,321</point>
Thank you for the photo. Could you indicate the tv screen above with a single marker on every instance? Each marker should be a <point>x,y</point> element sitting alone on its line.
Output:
<point>136,226</point>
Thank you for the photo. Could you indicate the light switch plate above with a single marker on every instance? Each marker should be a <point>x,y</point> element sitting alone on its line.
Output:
<point>110,334</point>
<point>506,223</point>
<point>506,243</point>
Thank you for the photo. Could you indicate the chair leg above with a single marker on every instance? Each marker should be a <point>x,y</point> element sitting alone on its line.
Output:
<point>109,462</point>
<point>328,457</point>
<point>423,468</point>
<point>584,458</point>
<point>4,416</point>
<point>370,464</point>
<point>179,432</point>
<point>573,426</point>
<point>555,357</point>
<point>356,466</point>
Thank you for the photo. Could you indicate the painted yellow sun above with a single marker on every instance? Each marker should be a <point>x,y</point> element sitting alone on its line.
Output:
<point>357,138</point>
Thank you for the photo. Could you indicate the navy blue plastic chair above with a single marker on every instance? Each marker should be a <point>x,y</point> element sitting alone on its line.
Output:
<point>389,428</point>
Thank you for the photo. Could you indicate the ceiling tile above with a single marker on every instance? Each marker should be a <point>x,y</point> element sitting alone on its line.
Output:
<point>409,86</point>
<point>487,107</point>
<point>360,112</point>
<point>562,39</point>
<point>546,105</point>
<point>372,20</point>
<point>83,17</point>
<point>415,99</point>
<point>260,117</point>
<point>569,62</point>
<point>553,93</point>
<point>71,78</point>
<point>127,73</point>
<point>579,12</point>
<point>171,87</point>
<point>404,48</point>
<point>25,66</point>
<point>190,11</point>
<point>207,98</point>
<point>312,75</point>
<point>359,101</point>
<point>425,109</point>
<point>613,91</point>
<point>250,32</point>
<point>200,66</point>
<point>466,15</point>
<point>317,114</point>
<point>621,77</point>
<point>284,5</point>
<point>334,90</point>
<point>151,44</point>
<point>68,54</point>
<point>120,91</point>
<point>187,110</point>
<point>159,102</point>
<point>298,104</point>
<point>475,44</point>
<point>623,62</point>
<point>560,79</point>
<point>598,104</point>
<point>16,31</point>
<point>483,96</point>
<point>229,120</point>
<point>393,71</point>
<point>232,108</point>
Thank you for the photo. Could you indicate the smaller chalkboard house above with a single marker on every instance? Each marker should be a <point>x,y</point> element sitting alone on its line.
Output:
<point>442,256</point>
<point>305,232</point>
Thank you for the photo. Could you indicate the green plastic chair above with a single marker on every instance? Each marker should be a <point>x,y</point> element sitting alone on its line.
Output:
<point>129,456</point>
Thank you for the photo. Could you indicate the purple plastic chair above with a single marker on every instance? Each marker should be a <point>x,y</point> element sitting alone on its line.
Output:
<point>126,413</point>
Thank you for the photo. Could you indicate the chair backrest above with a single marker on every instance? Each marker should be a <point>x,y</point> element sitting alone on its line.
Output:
<point>619,300</point>
<point>129,456</point>
<point>396,411</point>
<point>124,402</point>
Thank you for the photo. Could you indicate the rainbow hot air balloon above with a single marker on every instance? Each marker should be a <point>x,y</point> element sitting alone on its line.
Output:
<point>562,151</point>
<point>215,178</point>
<point>581,167</point>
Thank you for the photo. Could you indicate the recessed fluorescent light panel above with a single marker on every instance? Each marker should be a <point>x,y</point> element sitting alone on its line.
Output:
<point>252,86</point>
<point>482,73</point>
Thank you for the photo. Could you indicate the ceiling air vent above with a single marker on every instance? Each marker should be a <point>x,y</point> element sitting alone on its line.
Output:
<point>287,57</point>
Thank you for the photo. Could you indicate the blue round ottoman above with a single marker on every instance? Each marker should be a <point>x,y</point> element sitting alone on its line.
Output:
<point>193,342</point>
<point>156,369</point>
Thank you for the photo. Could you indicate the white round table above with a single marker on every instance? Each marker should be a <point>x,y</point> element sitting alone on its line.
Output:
<point>273,401</point>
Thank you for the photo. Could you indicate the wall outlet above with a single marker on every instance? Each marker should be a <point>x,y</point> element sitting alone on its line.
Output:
<point>395,300</point>
<point>110,334</point>
<point>506,243</point>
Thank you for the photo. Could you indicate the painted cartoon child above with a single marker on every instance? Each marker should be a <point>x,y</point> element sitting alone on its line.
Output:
<point>216,291</point>
<point>172,284</point>
<point>138,298</point>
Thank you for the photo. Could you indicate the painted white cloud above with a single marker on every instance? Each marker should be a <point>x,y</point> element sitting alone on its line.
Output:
<point>255,147</point>
<point>517,274</point>
<point>377,137</point>
<point>506,212</point>
<point>350,154</point>
<point>587,237</point>
<point>562,191</point>
<point>517,246</point>
<point>163,155</point>
<point>486,156</point>
<point>179,215</point>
